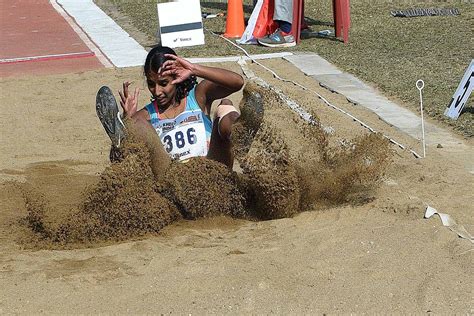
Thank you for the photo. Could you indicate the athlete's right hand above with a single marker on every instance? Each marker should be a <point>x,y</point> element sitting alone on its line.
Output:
<point>129,102</point>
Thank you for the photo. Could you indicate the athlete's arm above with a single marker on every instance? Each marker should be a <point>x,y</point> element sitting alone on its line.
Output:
<point>218,83</point>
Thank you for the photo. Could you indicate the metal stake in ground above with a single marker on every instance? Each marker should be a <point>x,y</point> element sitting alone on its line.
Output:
<point>420,85</point>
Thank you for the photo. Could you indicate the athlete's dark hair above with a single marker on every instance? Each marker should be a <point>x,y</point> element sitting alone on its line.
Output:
<point>155,58</point>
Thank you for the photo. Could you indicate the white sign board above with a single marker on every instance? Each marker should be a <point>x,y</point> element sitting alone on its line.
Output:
<point>462,93</point>
<point>180,23</point>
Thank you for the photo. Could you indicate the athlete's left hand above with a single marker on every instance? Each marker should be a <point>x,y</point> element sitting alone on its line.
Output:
<point>129,101</point>
<point>178,67</point>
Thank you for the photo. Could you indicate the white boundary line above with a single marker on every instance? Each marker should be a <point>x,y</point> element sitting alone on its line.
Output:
<point>237,58</point>
<point>98,53</point>
<point>45,57</point>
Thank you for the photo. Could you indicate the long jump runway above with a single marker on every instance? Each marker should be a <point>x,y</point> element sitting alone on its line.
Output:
<point>38,37</point>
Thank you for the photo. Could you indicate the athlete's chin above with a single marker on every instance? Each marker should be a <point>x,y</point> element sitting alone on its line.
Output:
<point>162,101</point>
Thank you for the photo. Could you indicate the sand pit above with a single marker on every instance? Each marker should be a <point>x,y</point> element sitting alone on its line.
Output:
<point>142,191</point>
<point>343,248</point>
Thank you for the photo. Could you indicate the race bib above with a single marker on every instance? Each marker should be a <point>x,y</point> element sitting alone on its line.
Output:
<point>185,136</point>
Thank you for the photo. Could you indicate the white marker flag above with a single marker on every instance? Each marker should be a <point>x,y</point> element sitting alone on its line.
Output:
<point>180,23</point>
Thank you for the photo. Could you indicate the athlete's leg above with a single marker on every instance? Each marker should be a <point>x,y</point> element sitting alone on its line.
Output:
<point>108,113</point>
<point>220,147</point>
<point>144,132</point>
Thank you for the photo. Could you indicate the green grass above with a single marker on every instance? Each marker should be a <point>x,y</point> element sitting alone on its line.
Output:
<point>387,52</point>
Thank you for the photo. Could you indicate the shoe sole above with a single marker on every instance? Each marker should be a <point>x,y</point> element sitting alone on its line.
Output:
<point>108,111</point>
<point>291,44</point>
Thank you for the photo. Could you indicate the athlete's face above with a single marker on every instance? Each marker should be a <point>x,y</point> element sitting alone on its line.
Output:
<point>161,88</point>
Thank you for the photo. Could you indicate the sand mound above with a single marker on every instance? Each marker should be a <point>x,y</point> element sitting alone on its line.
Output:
<point>203,188</point>
<point>269,180</point>
<point>273,181</point>
<point>134,197</point>
<point>124,203</point>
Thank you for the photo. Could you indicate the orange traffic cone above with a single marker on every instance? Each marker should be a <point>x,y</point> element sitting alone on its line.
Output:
<point>234,26</point>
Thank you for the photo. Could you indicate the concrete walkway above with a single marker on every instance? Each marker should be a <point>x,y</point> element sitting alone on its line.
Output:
<point>119,47</point>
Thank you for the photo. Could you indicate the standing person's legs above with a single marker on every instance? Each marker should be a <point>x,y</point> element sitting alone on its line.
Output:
<point>283,15</point>
<point>284,12</point>
<point>220,147</point>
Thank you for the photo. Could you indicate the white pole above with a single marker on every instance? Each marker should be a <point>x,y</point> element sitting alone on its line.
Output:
<point>420,85</point>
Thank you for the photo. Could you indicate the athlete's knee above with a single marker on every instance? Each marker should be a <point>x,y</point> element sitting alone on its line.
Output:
<point>226,118</point>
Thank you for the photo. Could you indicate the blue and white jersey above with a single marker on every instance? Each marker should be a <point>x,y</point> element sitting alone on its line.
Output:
<point>185,136</point>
